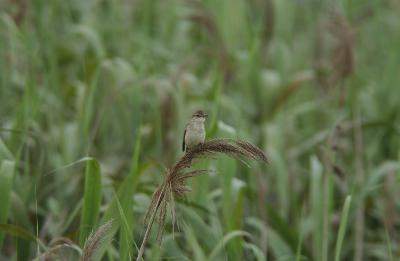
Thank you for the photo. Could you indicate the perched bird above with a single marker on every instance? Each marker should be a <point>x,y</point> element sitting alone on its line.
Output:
<point>195,132</point>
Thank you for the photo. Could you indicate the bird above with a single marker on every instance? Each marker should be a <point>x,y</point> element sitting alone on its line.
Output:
<point>195,132</point>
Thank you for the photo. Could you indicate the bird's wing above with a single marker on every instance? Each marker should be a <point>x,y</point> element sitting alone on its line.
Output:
<point>183,140</point>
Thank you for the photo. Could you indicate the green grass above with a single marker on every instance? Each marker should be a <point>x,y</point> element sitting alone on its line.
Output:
<point>342,228</point>
<point>6,182</point>
<point>91,199</point>
<point>111,84</point>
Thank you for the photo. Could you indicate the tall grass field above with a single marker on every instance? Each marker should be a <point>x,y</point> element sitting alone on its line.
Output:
<point>302,153</point>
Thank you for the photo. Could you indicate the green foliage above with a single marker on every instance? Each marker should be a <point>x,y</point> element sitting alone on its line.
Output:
<point>6,182</point>
<point>312,83</point>
<point>19,232</point>
<point>342,227</point>
<point>91,199</point>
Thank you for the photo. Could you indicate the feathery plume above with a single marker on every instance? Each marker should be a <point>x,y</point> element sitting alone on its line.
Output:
<point>174,182</point>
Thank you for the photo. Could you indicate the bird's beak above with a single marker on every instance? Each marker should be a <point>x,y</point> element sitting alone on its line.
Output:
<point>205,115</point>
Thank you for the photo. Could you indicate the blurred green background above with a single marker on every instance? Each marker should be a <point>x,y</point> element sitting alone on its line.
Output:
<point>95,94</point>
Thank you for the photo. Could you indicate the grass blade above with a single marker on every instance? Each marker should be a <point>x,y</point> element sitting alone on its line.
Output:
<point>124,195</point>
<point>222,243</point>
<point>91,199</point>
<point>257,252</point>
<point>6,181</point>
<point>388,244</point>
<point>126,238</point>
<point>342,227</point>
<point>21,233</point>
<point>126,207</point>
<point>5,152</point>
<point>198,253</point>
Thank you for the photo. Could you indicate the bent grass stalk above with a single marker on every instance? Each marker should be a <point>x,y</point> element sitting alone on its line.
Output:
<point>174,181</point>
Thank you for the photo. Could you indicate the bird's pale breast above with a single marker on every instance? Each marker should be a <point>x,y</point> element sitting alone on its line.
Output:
<point>195,134</point>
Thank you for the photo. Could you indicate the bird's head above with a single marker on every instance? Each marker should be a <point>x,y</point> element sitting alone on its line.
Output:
<point>200,115</point>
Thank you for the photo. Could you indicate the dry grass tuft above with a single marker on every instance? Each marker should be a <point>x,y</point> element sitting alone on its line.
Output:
<point>59,249</point>
<point>95,241</point>
<point>205,19</point>
<point>334,48</point>
<point>174,182</point>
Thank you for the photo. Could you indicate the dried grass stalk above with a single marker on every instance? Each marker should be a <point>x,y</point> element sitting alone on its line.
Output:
<point>334,57</point>
<point>58,250</point>
<point>204,18</point>
<point>174,182</point>
<point>96,241</point>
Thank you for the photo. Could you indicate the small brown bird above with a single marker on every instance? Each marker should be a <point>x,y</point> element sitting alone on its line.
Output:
<point>195,133</point>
